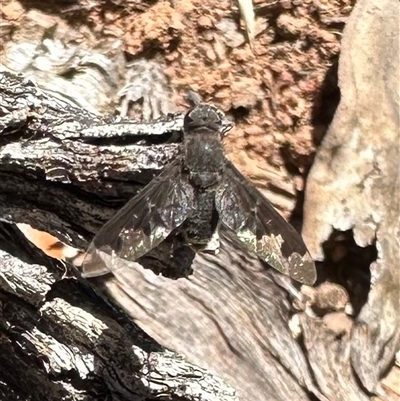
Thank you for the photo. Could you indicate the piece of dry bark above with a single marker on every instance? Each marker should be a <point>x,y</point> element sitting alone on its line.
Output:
<point>58,341</point>
<point>45,48</point>
<point>43,137</point>
<point>51,333</point>
<point>354,182</point>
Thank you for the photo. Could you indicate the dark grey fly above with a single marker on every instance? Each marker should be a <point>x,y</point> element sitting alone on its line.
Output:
<point>195,196</point>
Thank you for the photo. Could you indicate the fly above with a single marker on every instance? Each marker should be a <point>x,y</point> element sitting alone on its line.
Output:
<point>198,194</point>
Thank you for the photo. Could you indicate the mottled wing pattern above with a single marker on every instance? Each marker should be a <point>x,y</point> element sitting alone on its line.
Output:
<point>261,228</point>
<point>142,224</point>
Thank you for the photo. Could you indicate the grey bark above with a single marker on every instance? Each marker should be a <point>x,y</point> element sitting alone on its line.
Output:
<point>56,342</point>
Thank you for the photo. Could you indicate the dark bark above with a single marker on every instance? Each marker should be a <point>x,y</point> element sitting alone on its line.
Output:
<point>60,342</point>
<point>57,342</point>
<point>45,155</point>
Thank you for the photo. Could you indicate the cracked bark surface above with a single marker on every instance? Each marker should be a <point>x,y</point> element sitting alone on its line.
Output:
<point>67,344</point>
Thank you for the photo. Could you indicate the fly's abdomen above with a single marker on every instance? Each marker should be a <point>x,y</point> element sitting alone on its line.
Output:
<point>200,228</point>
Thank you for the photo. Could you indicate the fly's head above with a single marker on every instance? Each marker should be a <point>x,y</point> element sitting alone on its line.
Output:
<point>207,118</point>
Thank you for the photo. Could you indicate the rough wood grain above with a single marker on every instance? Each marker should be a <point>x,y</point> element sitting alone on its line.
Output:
<point>354,182</point>
<point>66,344</point>
<point>73,349</point>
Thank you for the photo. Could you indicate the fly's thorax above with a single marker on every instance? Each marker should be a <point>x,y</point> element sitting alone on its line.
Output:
<point>204,158</point>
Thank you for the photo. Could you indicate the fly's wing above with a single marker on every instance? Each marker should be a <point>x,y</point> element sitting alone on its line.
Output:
<point>261,228</point>
<point>142,224</point>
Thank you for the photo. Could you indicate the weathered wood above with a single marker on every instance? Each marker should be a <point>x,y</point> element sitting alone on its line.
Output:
<point>67,344</point>
<point>77,349</point>
<point>44,144</point>
<point>354,182</point>
<point>231,316</point>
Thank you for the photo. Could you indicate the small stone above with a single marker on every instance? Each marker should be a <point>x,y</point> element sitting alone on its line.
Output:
<point>205,22</point>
